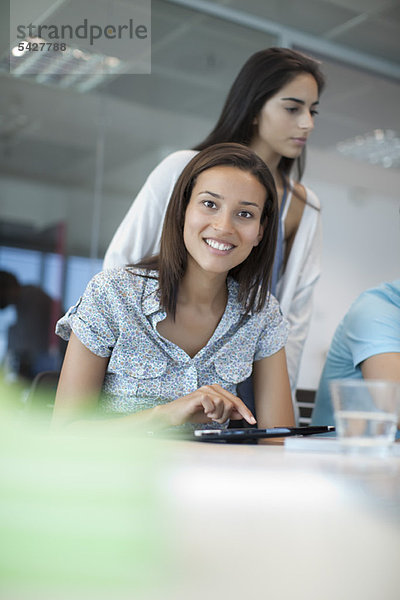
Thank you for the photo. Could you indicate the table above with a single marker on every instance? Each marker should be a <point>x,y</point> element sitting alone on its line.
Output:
<point>142,519</point>
<point>259,521</point>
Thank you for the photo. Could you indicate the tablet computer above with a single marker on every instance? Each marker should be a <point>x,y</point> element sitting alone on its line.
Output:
<point>251,434</point>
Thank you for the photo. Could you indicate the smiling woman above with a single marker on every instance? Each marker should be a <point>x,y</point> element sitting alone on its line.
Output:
<point>271,108</point>
<point>169,339</point>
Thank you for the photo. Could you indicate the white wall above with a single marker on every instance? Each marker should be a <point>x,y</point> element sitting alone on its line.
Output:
<point>361,245</point>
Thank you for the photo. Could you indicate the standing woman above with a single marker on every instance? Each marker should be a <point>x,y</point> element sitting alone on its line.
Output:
<point>271,108</point>
<point>167,341</point>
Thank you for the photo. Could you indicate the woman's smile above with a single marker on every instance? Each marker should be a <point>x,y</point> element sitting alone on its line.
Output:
<point>219,246</point>
<point>223,218</point>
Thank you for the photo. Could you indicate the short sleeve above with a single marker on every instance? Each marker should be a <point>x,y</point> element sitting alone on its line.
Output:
<point>92,318</point>
<point>274,330</point>
<point>372,327</point>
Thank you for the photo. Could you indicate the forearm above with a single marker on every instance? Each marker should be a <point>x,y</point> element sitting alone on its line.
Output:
<point>204,405</point>
<point>272,392</point>
<point>138,423</point>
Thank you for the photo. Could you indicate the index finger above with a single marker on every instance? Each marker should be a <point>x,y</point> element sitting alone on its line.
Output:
<point>238,403</point>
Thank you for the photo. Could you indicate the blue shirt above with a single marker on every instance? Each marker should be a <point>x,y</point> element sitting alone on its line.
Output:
<point>117,318</point>
<point>371,326</point>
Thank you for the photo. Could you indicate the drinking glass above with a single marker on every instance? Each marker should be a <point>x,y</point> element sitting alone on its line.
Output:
<point>366,413</point>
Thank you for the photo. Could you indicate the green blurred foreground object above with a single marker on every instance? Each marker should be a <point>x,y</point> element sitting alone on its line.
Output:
<point>79,516</point>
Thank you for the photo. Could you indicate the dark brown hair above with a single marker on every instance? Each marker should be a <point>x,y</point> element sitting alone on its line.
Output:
<point>260,78</point>
<point>253,274</point>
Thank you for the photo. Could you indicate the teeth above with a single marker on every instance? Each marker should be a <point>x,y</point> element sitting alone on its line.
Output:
<point>218,245</point>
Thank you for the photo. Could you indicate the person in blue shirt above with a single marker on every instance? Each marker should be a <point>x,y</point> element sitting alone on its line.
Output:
<point>166,342</point>
<point>366,344</point>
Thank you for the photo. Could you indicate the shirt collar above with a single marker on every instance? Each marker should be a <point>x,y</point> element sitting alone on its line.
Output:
<point>233,307</point>
<point>151,300</point>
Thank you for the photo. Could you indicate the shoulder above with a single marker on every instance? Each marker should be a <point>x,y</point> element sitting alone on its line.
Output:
<point>271,329</point>
<point>305,195</point>
<point>104,283</point>
<point>109,276</point>
<point>375,307</point>
<point>121,278</point>
<point>165,174</point>
<point>388,293</point>
<point>270,315</point>
<point>372,324</point>
<point>175,162</point>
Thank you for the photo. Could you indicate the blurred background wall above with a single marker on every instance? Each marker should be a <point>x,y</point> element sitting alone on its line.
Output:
<point>75,150</point>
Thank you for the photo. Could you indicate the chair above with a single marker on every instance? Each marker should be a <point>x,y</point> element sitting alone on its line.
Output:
<point>305,400</point>
<point>42,392</point>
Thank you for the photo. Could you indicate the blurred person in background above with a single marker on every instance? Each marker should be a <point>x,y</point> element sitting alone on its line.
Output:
<point>29,348</point>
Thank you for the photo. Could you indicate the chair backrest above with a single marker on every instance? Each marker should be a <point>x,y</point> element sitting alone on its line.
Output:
<point>305,400</point>
<point>43,389</point>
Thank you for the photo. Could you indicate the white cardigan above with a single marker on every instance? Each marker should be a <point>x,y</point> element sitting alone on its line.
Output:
<point>139,235</point>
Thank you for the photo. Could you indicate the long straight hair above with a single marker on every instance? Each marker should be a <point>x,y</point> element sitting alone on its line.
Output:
<point>260,78</point>
<point>254,273</point>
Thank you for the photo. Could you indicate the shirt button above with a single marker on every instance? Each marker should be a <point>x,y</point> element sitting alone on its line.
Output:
<point>140,370</point>
<point>191,376</point>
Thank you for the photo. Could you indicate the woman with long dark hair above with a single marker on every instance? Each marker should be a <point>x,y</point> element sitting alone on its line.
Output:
<point>271,108</point>
<point>166,342</point>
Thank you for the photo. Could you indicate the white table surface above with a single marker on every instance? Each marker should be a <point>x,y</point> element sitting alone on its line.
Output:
<point>256,521</point>
<point>174,520</point>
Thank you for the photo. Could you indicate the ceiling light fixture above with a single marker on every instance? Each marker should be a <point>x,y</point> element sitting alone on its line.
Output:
<point>379,147</point>
<point>71,67</point>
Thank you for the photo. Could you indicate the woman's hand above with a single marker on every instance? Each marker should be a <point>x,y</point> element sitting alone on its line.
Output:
<point>208,403</point>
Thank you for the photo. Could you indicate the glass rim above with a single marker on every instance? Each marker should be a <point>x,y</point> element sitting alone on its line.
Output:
<point>361,382</point>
